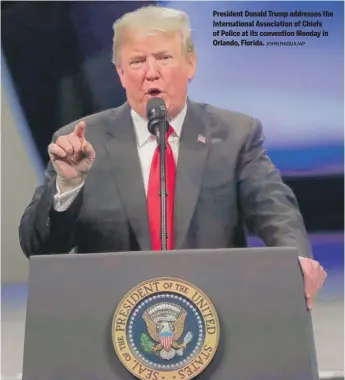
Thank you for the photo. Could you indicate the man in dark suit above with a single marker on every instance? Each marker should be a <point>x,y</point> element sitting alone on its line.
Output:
<point>100,192</point>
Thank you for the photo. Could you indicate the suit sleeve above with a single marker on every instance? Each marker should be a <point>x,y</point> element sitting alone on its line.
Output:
<point>42,229</point>
<point>269,206</point>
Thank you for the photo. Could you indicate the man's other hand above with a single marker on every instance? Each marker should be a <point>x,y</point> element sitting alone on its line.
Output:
<point>314,277</point>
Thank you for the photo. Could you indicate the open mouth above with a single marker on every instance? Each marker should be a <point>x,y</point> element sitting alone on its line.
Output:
<point>154,92</point>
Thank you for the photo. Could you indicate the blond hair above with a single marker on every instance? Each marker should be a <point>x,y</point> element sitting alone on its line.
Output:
<point>150,19</point>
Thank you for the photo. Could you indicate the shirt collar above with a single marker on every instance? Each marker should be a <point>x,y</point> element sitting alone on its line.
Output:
<point>142,133</point>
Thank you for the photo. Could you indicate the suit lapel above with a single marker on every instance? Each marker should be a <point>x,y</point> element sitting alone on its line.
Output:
<point>123,155</point>
<point>192,156</point>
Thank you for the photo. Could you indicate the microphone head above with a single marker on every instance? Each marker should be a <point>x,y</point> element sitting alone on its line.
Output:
<point>155,108</point>
<point>156,112</point>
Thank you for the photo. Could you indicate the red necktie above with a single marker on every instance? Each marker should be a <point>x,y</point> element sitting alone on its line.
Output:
<point>154,200</point>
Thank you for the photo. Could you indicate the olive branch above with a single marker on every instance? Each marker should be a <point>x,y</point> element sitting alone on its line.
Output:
<point>146,342</point>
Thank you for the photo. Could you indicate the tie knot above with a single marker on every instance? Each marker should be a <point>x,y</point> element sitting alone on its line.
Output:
<point>169,132</point>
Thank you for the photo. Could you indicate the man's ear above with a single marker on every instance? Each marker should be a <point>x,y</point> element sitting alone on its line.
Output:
<point>192,63</point>
<point>121,75</point>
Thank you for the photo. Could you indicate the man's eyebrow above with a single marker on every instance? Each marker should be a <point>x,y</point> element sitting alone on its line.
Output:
<point>137,55</point>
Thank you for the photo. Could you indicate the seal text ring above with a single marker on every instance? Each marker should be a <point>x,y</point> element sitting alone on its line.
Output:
<point>165,329</point>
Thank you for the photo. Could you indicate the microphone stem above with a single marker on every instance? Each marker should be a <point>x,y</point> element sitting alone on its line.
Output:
<point>163,190</point>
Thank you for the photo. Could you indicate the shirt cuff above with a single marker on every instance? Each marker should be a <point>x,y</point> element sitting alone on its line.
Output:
<point>63,201</point>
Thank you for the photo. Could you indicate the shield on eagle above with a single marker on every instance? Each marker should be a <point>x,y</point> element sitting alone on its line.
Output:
<point>166,338</point>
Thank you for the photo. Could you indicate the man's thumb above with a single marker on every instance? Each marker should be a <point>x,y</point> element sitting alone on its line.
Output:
<point>88,150</point>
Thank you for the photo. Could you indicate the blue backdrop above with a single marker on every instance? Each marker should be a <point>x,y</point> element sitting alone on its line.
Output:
<point>297,92</point>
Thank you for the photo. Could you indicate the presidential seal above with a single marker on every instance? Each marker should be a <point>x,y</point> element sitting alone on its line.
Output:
<point>165,329</point>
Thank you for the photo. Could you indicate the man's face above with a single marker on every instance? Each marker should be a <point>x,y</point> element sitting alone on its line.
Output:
<point>155,66</point>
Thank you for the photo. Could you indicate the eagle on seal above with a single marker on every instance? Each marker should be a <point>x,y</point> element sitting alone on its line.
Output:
<point>165,324</point>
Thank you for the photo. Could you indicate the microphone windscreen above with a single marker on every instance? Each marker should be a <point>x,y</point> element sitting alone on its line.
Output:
<point>155,108</point>
<point>156,114</point>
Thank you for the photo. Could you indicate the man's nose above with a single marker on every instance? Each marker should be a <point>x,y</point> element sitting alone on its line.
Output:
<point>152,70</point>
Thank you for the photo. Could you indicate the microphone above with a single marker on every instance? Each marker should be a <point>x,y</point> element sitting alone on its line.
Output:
<point>157,124</point>
<point>156,113</point>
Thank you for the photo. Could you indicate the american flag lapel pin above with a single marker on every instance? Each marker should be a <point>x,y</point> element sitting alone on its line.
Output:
<point>202,139</point>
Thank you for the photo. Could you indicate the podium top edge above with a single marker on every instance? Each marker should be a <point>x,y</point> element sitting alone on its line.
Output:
<point>215,251</point>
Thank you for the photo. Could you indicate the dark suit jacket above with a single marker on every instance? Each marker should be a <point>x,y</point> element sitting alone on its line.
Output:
<point>221,184</point>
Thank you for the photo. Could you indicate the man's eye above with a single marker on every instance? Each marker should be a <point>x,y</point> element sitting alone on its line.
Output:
<point>134,61</point>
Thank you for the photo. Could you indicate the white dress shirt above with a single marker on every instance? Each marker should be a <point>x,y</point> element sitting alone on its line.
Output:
<point>146,144</point>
